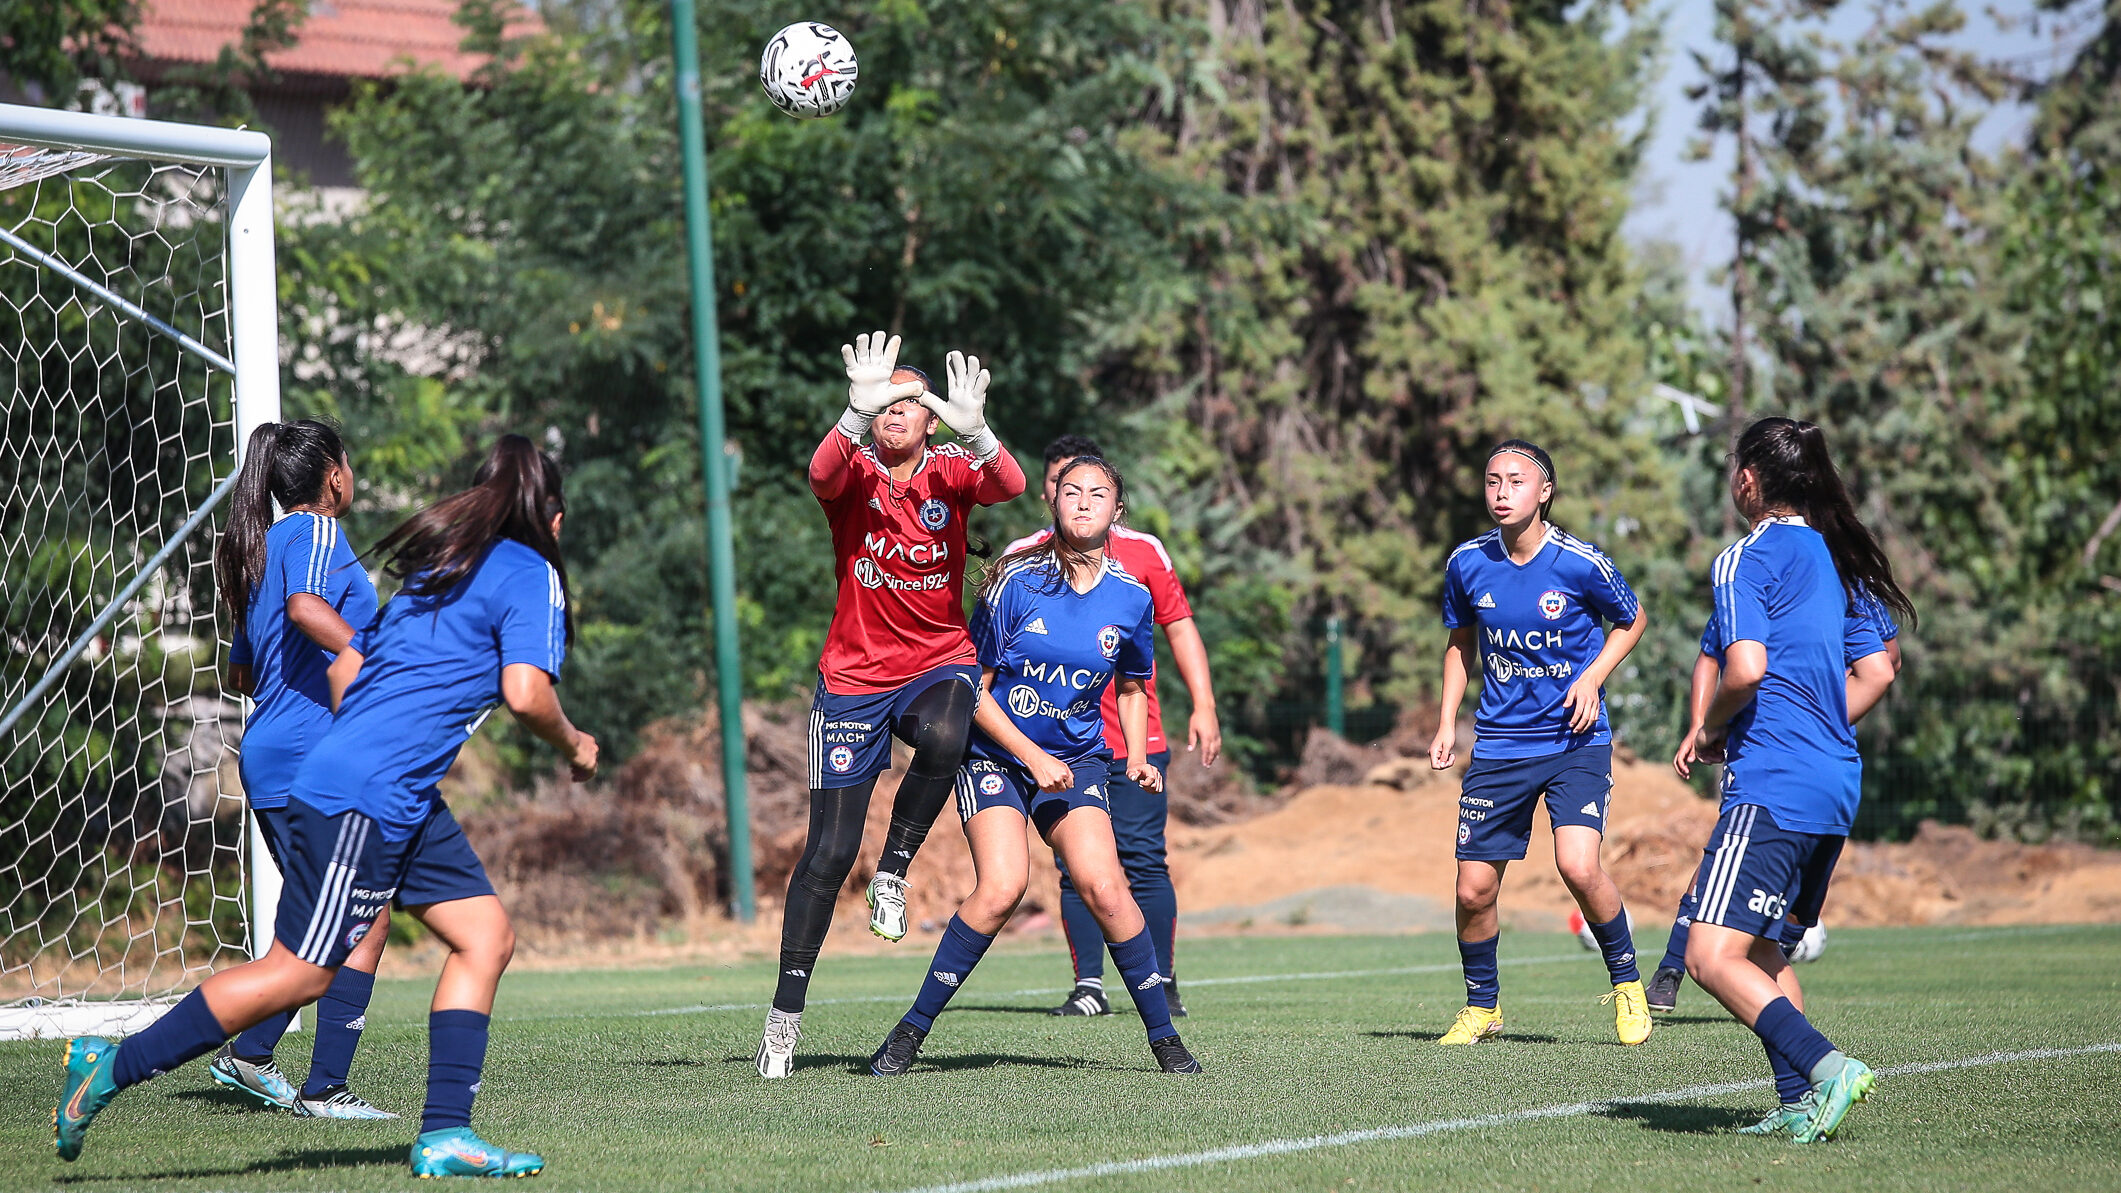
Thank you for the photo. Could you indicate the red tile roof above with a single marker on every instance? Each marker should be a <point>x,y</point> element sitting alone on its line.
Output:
<point>360,39</point>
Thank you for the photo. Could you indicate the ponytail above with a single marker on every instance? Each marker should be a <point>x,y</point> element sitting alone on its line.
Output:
<point>515,494</point>
<point>284,462</point>
<point>1060,558</point>
<point>1795,470</point>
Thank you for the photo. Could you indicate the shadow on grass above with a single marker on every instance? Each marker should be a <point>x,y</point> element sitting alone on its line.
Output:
<point>305,1159</point>
<point>1680,1118</point>
<point>975,1060</point>
<point>1000,1009</point>
<point>1514,1037</point>
<point>220,1097</point>
<point>1694,1019</point>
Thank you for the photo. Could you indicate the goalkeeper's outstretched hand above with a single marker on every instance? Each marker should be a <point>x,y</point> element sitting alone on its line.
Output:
<point>965,411</point>
<point>871,359</point>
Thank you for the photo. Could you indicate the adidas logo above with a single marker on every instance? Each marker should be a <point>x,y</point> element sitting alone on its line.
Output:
<point>1037,626</point>
<point>1486,601</point>
<point>948,979</point>
<point>797,973</point>
<point>1153,980</point>
<point>359,1023</point>
<point>876,505</point>
<point>475,1086</point>
<point>1590,809</point>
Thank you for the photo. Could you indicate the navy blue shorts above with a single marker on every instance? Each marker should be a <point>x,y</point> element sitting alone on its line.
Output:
<point>1755,872</point>
<point>1496,803</point>
<point>984,783</point>
<point>338,874</point>
<point>1138,818</point>
<point>850,736</point>
<point>1789,933</point>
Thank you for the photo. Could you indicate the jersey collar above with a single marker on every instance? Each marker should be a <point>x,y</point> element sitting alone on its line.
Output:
<point>1545,540</point>
<point>1783,520</point>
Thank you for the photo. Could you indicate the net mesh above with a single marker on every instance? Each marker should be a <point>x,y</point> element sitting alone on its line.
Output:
<point>121,827</point>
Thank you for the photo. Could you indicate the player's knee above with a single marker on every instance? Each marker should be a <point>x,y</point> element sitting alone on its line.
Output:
<point>941,729</point>
<point>1477,893</point>
<point>831,860</point>
<point>1581,873</point>
<point>993,901</point>
<point>1106,897</point>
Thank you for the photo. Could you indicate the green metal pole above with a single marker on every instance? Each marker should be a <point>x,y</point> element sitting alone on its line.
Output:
<point>1336,706</point>
<point>714,458</point>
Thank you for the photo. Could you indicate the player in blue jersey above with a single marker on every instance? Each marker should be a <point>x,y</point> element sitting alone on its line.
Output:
<point>1779,721</point>
<point>294,594</point>
<point>481,620</point>
<point>1871,650</point>
<point>1056,622</point>
<point>1532,598</point>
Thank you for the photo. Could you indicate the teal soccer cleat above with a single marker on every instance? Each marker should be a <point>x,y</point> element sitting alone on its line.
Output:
<point>85,1091</point>
<point>1785,1119</point>
<point>1836,1096</point>
<point>456,1151</point>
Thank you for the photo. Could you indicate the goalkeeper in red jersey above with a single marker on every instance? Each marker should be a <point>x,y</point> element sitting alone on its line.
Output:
<point>898,661</point>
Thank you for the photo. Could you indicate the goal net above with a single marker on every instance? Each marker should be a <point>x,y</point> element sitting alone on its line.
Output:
<point>138,346</point>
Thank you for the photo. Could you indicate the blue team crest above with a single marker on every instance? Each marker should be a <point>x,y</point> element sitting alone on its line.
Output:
<point>990,784</point>
<point>841,758</point>
<point>1108,641</point>
<point>1552,604</point>
<point>355,934</point>
<point>935,514</point>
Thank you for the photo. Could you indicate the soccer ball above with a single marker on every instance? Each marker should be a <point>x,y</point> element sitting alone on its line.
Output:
<point>808,70</point>
<point>1583,932</point>
<point>1813,944</point>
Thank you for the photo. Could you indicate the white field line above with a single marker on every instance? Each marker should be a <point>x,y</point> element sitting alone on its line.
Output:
<point>1191,983</point>
<point>1282,1147</point>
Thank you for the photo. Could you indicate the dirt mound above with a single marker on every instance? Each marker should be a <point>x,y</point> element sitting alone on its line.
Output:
<point>1394,833</point>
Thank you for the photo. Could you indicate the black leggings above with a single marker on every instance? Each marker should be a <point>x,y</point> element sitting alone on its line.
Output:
<point>937,725</point>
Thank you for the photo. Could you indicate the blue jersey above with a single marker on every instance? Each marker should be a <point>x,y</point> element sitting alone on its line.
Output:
<point>1792,750</point>
<point>1054,649</point>
<point>1863,634</point>
<point>432,672</point>
<point>1538,627</point>
<point>304,553</point>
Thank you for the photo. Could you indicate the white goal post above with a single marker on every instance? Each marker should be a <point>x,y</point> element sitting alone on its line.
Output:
<point>137,301</point>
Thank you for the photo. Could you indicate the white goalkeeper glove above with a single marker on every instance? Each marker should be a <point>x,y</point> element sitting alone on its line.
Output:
<point>871,359</point>
<point>966,410</point>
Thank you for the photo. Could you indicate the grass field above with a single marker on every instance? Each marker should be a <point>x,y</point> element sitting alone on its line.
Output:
<point>642,1080</point>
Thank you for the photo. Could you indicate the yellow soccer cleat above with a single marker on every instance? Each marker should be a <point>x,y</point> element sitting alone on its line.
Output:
<point>1473,1026</point>
<point>1631,1012</point>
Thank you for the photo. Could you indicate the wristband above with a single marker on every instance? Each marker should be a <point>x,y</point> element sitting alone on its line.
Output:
<point>983,445</point>
<point>854,424</point>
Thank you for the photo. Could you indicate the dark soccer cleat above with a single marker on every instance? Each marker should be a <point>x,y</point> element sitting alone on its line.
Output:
<point>1172,1057</point>
<point>900,1049</point>
<point>1663,992</point>
<point>1178,1009</point>
<point>1086,999</point>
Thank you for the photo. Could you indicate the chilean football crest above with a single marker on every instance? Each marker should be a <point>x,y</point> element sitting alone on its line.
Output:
<point>355,934</point>
<point>841,758</point>
<point>1552,604</point>
<point>935,513</point>
<point>990,784</point>
<point>1108,641</point>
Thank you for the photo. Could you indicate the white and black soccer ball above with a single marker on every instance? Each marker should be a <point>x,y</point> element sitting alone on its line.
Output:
<point>808,70</point>
<point>1813,944</point>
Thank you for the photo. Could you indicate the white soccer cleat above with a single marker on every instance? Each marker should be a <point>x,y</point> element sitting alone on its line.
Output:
<point>339,1102</point>
<point>777,1047</point>
<point>887,906</point>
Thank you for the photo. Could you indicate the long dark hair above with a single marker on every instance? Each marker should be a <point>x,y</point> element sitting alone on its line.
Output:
<point>1062,557</point>
<point>1539,456</point>
<point>515,494</point>
<point>1791,462</point>
<point>284,462</point>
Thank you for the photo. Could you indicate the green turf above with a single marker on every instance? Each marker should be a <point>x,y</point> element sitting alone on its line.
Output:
<point>618,1099</point>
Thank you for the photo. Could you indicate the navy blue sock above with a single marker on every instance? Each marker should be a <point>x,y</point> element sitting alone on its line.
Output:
<point>187,1032</point>
<point>1483,984</point>
<point>456,1054</point>
<point>960,950</point>
<point>1790,1082</point>
<point>259,1039</point>
<point>341,1014</point>
<point>1618,947</point>
<point>1086,941</point>
<point>1675,946</point>
<point>1159,904</point>
<point>1136,961</point>
<point>1785,1029</point>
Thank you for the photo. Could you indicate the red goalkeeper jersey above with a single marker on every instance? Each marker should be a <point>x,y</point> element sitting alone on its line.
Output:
<point>1145,559</point>
<point>899,559</point>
